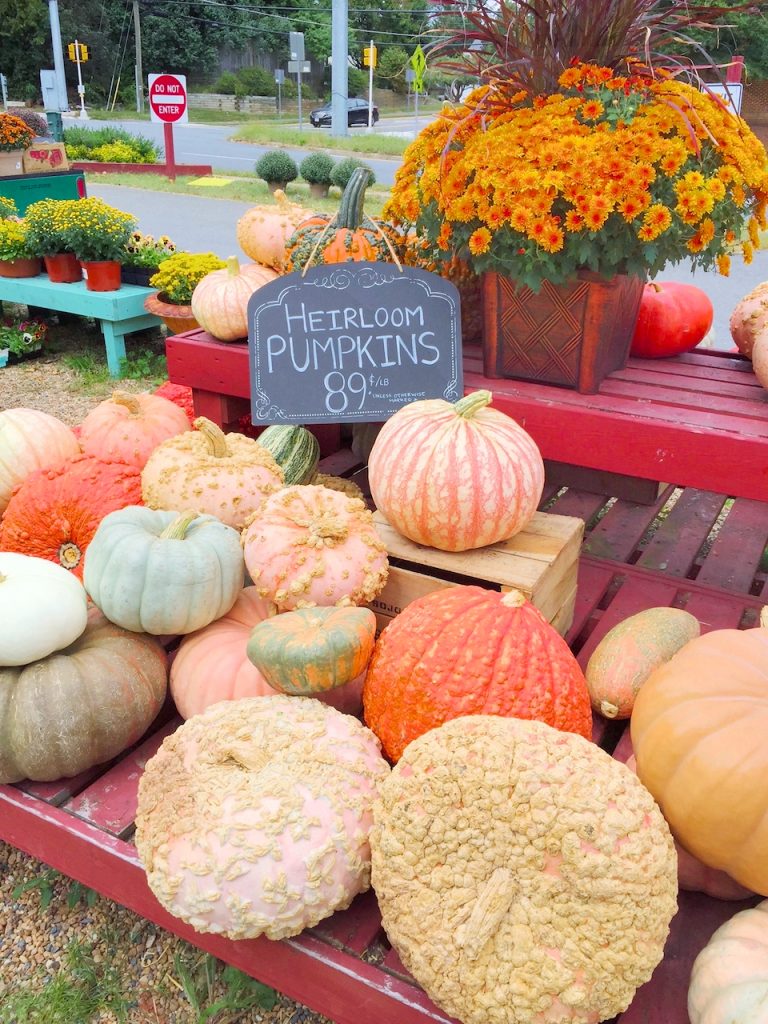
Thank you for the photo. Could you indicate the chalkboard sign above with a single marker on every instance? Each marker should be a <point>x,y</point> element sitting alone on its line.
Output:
<point>352,341</point>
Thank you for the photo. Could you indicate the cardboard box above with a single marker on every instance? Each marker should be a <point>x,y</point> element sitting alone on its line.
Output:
<point>541,561</point>
<point>45,156</point>
<point>11,163</point>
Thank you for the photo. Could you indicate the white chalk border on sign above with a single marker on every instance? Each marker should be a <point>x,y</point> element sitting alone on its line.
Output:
<point>352,342</point>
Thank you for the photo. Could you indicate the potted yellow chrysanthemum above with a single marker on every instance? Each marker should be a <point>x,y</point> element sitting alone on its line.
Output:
<point>565,183</point>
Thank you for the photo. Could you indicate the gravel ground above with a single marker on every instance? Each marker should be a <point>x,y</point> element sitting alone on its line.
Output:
<point>80,941</point>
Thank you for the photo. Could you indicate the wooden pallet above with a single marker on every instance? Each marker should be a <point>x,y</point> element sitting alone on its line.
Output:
<point>691,549</point>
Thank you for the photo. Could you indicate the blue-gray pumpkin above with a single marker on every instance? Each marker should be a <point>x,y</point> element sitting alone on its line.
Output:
<point>161,572</point>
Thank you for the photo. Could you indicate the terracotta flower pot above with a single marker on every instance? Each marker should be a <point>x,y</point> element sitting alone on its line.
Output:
<point>573,334</point>
<point>63,268</point>
<point>27,267</point>
<point>101,275</point>
<point>177,319</point>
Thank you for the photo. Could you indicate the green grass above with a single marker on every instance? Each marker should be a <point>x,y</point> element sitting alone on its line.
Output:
<point>244,187</point>
<point>196,116</point>
<point>145,364</point>
<point>204,978</point>
<point>270,134</point>
<point>81,989</point>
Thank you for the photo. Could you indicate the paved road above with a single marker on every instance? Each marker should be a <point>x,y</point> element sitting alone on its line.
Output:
<point>209,144</point>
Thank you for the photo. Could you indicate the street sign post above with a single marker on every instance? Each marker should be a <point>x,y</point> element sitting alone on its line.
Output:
<point>419,65</point>
<point>78,52</point>
<point>370,55</point>
<point>279,79</point>
<point>296,46</point>
<point>168,106</point>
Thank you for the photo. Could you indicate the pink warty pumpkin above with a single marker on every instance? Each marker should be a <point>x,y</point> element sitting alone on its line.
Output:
<point>309,546</point>
<point>211,664</point>
<point>30,440</point>
<point>749,318</point>
<point>455,477</point>
<point>127,428</point>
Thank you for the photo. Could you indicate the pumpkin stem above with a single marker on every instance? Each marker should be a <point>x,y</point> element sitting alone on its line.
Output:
<point>282,199</point>
<point>69,555</point>
<point>764,617</point>
<point>177,530</point>
<point>492,904</point>
<point>608,710</point>
<point>233,266</point>
<point>351,207</point>
<point>214,435</point>
<point>472,403</point>
<point>245,758</point>
<point>514,599</point>
<point>128,400</point>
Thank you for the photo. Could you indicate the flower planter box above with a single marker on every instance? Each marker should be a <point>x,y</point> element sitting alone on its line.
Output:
<point>4,353</point>
<point>22,357</point>
<point>137,275</point>
<point>541,561</point>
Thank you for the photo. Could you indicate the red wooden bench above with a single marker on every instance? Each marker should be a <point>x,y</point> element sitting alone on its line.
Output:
<point>700,420</point>
<point>691,548</point>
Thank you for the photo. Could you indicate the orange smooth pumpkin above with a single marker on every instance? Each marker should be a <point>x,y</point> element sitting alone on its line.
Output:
<point>699,729</point>
<point>469,651</point>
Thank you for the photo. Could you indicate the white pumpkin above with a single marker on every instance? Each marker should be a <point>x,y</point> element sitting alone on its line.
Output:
<point>729,980</point>
<point>43,608</point>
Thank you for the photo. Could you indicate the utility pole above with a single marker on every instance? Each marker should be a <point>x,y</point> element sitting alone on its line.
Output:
<point>139,68</point>
<point>339,66</point>
<point>58,54</point>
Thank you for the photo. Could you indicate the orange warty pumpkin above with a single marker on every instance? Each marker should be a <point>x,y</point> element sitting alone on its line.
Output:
<point>469,651</point>
<point>699,730</point>
<point>127,428</point>
<point>455,477</point>
<point>345,239</point>
<point>54,513</point>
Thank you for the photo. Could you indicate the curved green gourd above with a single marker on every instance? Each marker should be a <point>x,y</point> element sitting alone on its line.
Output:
<point>295,449</point>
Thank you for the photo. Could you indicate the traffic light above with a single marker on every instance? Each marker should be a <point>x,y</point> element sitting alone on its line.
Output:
<point>72,52</point>
<point>370,56</point>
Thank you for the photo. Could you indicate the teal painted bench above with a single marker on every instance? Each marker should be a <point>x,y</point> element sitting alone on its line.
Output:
<point>119,313</point>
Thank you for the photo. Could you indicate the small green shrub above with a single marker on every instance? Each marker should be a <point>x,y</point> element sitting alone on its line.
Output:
<point>357,81</point>
<point>226,84</point>
<point>256,81</point>
<point>342,172</point>
<point>317,169</point>
<point>276,166</point>
<point>83,141</point>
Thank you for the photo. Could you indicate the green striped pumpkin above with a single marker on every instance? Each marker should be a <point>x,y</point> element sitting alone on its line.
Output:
<point>295,449</point>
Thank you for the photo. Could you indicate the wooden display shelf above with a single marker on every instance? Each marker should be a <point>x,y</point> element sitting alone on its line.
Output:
<point>691,549</point>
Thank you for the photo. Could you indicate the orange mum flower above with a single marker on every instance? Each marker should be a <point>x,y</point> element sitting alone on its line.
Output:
<point>480,241</point>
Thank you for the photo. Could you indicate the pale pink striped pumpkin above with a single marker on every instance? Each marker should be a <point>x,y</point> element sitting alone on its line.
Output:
<point>310,546</point>
<point>31,440</point>
<point>127,428</point>
<point>455,477</point>
<point>220,301</point>
<point>212,664</point>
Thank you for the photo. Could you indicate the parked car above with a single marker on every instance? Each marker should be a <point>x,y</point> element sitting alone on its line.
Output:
<point>357,113</point>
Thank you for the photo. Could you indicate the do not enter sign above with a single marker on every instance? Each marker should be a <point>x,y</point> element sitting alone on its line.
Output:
<point>168,98</point>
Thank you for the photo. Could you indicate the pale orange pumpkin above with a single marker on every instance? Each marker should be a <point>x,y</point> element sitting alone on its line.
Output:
<point>31,440</point>
<point>698,730</point>
<point>205,470</point>
<point>760,358</point>
<point>220,300</point>
<point>455,476</point>
<point>212,664</point>
<point>309,546</point>
<point>729,980</point>
<point>127,428</point>
<point>263,230</point>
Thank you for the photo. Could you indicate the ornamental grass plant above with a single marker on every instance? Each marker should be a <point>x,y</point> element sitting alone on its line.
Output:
<point>559,163</point>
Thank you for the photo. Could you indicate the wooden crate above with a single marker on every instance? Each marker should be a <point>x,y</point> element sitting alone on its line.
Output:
<point>541,562</point>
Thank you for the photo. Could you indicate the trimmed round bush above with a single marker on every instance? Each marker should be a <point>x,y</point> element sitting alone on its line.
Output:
<point>276,167</point>
<point>317,169</point>
<point>343,170</point>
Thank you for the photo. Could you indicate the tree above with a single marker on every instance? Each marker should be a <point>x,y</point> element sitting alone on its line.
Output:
<point>393,62</point>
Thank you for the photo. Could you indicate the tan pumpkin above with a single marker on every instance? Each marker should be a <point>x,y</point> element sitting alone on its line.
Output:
<point>760,358</point>
<point>225,475</point>
<point>127,428</point>
<point>31,440</point>
<point>212,664</point>
<point>80,706</point>
<point>698,730</point>
<point>220,300</point>
<point>263,230</point>
<point>522,874</point>
<point>729,980</point>
<point>749,318</point>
